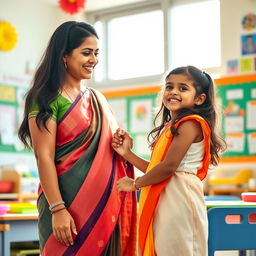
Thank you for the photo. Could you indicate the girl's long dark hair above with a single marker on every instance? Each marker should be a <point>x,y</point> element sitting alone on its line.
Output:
<point>51,73</point>
<point>203,83</point>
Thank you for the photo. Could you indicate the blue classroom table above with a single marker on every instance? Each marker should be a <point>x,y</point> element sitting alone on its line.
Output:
<point>17,228</point>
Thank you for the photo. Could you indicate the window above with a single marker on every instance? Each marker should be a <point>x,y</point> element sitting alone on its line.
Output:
<point>195,34</point>
<point>140,42</point>
<point>135,44</point>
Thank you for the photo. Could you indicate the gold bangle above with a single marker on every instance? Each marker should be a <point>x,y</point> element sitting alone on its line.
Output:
<point>58,210</point>
<point>134,184</point>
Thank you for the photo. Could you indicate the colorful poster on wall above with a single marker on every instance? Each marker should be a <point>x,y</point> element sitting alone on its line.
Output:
<point>142,146</point>
<point>141,115</point>
<point>251,114</point>
<point>232,67</point>
<point>119,108</point>
<point>248,22</point>
<point>234,94</point>
<point>7,124</point>
<point>7,93</point>
<point>234,114</point>
<point>248,43</point>
<point>252,143</point>
<point>235,142</point>
<point>253,93</point>
<point>246,65</point>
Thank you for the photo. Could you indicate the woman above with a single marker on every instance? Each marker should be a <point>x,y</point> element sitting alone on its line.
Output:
<point>70,130</point>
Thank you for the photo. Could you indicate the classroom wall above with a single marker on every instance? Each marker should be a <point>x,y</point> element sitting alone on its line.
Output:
<point>231,15</point>
<point>35,29</point>
<point>34,21</point>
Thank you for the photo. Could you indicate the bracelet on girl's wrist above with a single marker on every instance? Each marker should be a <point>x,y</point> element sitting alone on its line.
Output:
<point>51,206</point>
<point>134,184</point>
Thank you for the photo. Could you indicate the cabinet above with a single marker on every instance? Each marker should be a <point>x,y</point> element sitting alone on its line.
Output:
<point>17,192</point>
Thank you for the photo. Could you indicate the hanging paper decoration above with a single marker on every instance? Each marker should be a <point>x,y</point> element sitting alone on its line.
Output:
<point>71,6</point>
<point>8,36</point>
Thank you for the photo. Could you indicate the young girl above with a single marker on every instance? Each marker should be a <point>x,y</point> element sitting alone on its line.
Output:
<point>173,217</point>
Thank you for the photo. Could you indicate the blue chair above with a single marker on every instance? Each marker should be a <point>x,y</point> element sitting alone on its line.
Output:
<point>223,236</point>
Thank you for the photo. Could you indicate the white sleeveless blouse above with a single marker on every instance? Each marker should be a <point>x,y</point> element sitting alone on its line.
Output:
<point>192,161</point>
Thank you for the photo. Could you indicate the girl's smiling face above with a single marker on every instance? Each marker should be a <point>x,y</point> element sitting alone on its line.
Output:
<point>82,60</point>
<point>180,93</point>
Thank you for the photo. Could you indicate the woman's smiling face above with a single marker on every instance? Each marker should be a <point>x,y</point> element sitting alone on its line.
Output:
<point>81,62</point>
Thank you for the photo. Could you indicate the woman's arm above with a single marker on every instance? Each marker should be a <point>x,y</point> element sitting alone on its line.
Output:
<point>44,147</point>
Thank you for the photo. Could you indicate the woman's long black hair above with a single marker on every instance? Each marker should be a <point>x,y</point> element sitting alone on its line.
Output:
<point>203,83</point>
<point>51,73</point>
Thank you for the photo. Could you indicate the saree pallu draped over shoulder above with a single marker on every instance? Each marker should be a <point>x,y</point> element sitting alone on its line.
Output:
<point>87,170</point>
<point>150,195</point>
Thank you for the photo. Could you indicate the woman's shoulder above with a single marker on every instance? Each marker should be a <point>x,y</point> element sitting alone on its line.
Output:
<point>59,101</point>
<point>57,105</point>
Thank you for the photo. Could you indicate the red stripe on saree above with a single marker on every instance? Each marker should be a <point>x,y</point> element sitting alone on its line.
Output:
<point>81,114</point>
<point>98,240</point>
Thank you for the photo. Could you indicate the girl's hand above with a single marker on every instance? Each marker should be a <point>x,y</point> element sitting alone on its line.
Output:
<point>63,226</point>
<point>125,184</point>
<point>121,142</point>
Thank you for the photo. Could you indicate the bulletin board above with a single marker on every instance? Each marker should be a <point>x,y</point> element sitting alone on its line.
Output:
<point>134,110</point>
<point>237,96</point>
<point>11,112</point>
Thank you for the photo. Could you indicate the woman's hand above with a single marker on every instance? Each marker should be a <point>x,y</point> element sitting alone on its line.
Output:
<point>63,226</point>
<point>122,142</point>
<point>125,184</point>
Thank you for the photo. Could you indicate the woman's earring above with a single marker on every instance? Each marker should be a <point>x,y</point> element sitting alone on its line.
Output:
<point>65,65</point>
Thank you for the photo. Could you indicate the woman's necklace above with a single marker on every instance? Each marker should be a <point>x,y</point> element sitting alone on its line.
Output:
<point>68,95</point>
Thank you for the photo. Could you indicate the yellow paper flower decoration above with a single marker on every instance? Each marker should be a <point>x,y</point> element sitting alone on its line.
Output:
<point>8,36</point>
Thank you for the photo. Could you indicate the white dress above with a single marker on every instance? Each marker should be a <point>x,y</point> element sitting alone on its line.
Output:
<point>180,223</point>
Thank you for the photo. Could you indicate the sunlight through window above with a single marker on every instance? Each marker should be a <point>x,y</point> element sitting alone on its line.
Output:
<point>195,34</point>
<point>135,45</point>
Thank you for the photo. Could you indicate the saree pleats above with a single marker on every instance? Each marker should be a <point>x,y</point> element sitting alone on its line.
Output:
<point>87,171</point>
<point>150,195</point>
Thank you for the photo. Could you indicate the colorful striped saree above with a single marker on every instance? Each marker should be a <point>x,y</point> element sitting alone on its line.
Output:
<point>150,195</point>
<point>87,170</point>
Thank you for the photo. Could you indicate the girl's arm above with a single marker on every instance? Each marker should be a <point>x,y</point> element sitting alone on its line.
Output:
<point>122,144</point>
<point>44,147</point>
<point>188,132</point>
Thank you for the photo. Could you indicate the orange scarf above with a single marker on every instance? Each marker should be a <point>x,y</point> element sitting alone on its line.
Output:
<point>150,194</point>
